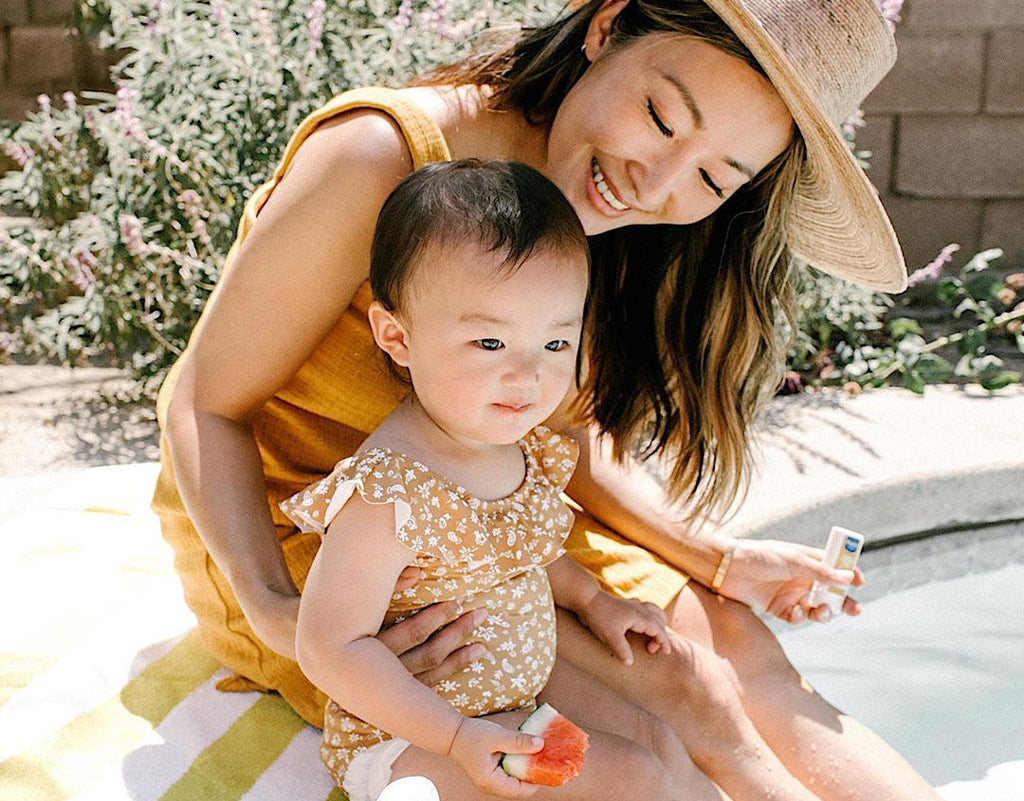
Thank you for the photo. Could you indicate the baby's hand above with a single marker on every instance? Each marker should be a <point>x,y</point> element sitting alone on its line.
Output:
<point>477,749</point>
<point>609,618</point>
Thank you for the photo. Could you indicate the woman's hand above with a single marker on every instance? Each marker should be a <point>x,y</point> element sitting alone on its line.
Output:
<point>609,618</point>
<point>432,643</point>
<point>477,749</point>
<point>776,576</point>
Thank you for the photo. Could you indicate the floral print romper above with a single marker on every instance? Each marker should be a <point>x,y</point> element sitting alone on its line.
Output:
<point>480,553</point>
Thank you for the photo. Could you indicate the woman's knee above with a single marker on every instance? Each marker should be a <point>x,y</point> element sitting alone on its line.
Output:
<point>751,649</point>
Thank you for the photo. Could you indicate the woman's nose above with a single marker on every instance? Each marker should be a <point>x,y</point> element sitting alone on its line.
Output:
<point>662,173</point>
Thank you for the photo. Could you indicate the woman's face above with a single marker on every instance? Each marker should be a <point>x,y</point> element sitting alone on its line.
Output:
<point>661,131</point>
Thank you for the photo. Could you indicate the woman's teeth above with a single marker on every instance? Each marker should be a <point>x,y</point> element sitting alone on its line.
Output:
<point>604,190</point>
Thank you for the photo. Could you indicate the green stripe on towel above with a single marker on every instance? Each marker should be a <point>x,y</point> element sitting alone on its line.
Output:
<point>231,765</point>
<point>74,756</point>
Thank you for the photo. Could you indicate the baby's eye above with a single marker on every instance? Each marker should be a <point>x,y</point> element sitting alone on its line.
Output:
<point>490,344</point>
<point>665,130</point>
<point>556,345</point>
<point>711,184</point>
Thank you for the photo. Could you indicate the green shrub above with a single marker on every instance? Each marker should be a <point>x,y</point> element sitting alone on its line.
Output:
<point>129,202</point>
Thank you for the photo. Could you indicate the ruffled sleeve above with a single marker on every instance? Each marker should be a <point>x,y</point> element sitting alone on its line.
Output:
<point>556,455</point>
<point>378,476</point>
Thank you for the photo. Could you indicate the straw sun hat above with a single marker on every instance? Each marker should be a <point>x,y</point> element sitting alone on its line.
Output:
<point>823,57</point>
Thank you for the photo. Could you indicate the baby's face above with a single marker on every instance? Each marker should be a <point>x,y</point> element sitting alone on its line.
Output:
<point>491,355</point>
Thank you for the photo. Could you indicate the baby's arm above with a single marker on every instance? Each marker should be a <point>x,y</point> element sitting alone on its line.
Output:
<point>607,617</point>
<point>343,604</point>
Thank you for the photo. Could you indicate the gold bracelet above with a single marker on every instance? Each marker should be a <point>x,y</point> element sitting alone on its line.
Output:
<point>723,567</point>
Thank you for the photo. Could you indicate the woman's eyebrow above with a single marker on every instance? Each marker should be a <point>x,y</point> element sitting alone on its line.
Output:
<point>691,104</point>
<point>698,119</point>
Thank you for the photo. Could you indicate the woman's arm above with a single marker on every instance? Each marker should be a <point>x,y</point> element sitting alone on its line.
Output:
<point>626,498</point>
<point>294,275</point>
<point>767,575</point>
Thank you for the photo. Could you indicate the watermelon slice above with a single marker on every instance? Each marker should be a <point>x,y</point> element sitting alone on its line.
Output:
<point>561,758</point>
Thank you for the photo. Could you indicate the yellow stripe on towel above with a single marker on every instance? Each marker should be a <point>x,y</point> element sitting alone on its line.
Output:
<point>228,767</point>
<point>72,757</point>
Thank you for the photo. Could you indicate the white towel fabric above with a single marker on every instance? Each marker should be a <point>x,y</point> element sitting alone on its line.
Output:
<point>106,693</point>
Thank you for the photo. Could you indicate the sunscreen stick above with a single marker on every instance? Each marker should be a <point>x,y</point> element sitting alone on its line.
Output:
<point>841,551</point>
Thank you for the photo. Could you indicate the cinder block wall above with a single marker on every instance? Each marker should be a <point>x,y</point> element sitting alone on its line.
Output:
<point>39,54</point>
<point>946,127</point>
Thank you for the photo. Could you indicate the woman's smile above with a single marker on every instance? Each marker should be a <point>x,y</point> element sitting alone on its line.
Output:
<point>613,204</point>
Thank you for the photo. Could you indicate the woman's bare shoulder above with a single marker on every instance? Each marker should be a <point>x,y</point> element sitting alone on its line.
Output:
<point>300,265</point>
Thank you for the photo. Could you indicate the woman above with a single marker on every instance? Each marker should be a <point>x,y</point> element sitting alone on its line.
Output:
<point>698,144</point>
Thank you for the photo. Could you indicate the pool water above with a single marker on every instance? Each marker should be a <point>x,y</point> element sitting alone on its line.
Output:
<point>936,669</point>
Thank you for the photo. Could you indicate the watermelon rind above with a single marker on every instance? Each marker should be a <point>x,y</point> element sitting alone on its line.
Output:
<point>516,765</point>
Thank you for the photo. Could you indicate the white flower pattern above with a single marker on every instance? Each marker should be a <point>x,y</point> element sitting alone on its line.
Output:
<point>501,548</point>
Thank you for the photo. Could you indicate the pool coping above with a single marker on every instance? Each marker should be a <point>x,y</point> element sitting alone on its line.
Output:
<point>892,465</point>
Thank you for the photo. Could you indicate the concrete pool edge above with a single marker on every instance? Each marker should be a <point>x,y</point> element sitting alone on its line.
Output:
<point>889,464</point>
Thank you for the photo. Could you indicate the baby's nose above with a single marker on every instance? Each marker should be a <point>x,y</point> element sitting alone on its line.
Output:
<point>522,372</point>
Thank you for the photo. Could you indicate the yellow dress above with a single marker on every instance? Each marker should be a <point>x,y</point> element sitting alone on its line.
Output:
<point>481,553</point>
<point>341,394</point>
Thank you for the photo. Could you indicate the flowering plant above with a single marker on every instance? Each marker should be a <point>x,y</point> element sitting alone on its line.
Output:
<point>127,204</point>
<point>130,202</point>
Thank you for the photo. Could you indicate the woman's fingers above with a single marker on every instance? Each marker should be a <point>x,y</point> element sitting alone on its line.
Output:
<point>409,577</point>
<point>438,636</point>
<point>407,634</point>
<point>453,663</point>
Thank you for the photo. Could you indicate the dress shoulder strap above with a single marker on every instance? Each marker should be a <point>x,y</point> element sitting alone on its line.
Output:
<point>424,137</point>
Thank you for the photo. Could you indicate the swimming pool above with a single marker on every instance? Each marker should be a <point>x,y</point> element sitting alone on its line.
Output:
<point>935,662</point>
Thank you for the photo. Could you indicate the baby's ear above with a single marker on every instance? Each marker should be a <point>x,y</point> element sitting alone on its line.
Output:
<point>389,333</point>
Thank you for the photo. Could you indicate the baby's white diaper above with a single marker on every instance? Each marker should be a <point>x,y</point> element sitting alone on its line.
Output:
<point>370,771</point>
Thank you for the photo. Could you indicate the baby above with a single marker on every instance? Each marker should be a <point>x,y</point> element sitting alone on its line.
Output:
<point>479,273</point>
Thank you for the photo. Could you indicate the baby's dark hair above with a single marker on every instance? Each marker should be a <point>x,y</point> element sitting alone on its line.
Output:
<point>502,206</point>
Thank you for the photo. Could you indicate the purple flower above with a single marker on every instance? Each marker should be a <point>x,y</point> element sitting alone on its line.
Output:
<point>403,19</point>
<point>891,11</point>
<point>223,20</point>
<point>262,18</point>
<point>315,18</point>
<point>932,271</point>
<point>82,275</point>
<point>70,101</point>
<point>124,113</point>
<point>20,154</point>
<point>131,234</point>
<point>44,103</point>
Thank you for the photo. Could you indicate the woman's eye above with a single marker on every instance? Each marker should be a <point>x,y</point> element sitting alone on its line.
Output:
<point>711,184</point>
<point>489,344</point>
<point>557,345</point>
<point>657,120</point>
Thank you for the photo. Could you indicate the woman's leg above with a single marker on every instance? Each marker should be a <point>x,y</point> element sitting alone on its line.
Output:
<point>690,690</point>
<point>615,768</point>
<point>831,753</point>
<point>590,704</point>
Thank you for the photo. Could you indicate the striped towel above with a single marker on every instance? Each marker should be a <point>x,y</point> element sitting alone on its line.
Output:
<point>106,692</point>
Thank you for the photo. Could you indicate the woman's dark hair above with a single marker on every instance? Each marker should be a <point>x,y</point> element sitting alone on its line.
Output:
<point>502,207</point>
<point>682,331</point>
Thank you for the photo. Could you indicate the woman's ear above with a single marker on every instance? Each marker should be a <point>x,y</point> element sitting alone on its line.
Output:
<point>389,333</point>
<point>600,30</point>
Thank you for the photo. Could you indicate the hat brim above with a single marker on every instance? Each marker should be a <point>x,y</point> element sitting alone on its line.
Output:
<point>836,222</point>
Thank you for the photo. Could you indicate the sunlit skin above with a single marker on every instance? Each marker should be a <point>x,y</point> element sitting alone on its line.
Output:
<point>304,261</point>
<point>487,361</point>
<point>676,126</point>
